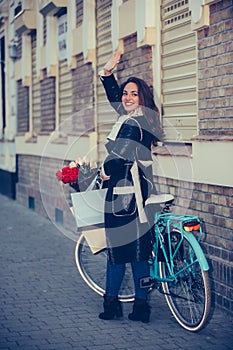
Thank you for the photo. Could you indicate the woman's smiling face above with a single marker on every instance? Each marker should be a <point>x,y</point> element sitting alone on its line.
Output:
<point>130,97</point>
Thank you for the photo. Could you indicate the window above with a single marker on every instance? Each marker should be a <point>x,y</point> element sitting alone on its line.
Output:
<point>62,37</point>
<point>18,9</point>
<point>31,203</point>
<point>179,71</point>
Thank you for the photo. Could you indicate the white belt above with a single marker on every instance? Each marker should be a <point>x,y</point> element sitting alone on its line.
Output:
<point>123,190</point>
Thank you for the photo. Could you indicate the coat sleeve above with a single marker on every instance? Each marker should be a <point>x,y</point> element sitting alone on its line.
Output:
<point>113,92</point>
<point>123,150</point>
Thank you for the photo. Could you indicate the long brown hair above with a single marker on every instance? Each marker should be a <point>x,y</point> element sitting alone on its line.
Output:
<point>149,108</point>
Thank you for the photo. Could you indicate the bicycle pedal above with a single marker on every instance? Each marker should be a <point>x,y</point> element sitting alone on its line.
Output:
<point>146,282</point>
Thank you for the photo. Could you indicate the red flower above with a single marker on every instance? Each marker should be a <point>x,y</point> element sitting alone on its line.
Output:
<point>59,175</point>
<point>67,175</point>
<point>73,174</point>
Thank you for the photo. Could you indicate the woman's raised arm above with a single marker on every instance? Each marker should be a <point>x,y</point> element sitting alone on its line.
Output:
<point>110,84</point>
<point>112,63</point>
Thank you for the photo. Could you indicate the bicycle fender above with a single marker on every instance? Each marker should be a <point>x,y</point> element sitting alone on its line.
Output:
<point>198,250</point>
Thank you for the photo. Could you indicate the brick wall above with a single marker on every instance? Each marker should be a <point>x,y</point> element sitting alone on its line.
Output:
<point>83,96</point>
<point>39,190</point>
<point>79,12</point>
<point>214,205</point>
<point>22,107</point>
<point>48,97</point>
<point>135,61</point>
<point>215,52</point>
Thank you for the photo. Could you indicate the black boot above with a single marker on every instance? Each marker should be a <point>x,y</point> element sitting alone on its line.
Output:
<point>112,308</point>
<point>141,311</point>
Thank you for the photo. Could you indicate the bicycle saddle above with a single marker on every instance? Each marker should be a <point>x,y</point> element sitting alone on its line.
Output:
<point>160,199</point>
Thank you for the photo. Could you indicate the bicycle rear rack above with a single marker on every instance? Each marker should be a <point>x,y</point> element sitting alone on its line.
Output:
<point>180,222</point>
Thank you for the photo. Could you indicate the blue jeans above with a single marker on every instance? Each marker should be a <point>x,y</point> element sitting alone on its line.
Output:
<point>115,274</point>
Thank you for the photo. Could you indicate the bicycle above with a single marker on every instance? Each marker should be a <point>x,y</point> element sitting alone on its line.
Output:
<point>178,266</point>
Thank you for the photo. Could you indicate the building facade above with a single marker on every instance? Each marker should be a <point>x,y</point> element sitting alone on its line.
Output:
<point>53,107</point>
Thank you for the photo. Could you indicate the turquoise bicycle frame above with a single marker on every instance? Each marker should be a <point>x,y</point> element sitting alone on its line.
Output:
<point>175,223</point>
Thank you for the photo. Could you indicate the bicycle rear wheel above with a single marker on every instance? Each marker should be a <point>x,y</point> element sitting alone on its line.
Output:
<point>92,269</point>
<point>189,297</point>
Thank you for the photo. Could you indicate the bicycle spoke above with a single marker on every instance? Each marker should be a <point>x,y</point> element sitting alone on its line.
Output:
<point>92,268</point>
<point>188,294</point>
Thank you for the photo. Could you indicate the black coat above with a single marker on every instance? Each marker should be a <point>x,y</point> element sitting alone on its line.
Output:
<point>128,238</point>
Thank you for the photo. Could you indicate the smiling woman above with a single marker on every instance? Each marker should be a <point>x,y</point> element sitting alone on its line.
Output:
<point>130,97</point>
<point>127,171</point>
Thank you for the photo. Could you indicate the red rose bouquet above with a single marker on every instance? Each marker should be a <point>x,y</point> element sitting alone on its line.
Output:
<point>77,174</point>
<point>68,174</point>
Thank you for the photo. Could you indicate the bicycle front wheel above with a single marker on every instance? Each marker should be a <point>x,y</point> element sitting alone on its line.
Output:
<point>189,296</point>
<point>92,268</point>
